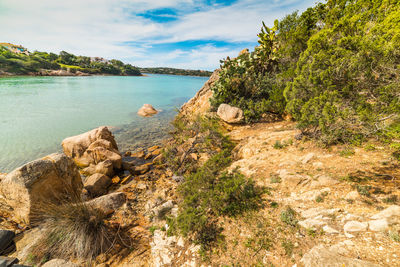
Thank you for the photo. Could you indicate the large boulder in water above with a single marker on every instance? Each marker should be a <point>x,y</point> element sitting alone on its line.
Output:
<point>51,179</point>
<point>230,114</point>
<point>147,110</point>
<point>93,147</point>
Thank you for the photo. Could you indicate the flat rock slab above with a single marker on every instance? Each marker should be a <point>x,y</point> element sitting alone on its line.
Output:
<point>320,256</point>
<point>6,241</point>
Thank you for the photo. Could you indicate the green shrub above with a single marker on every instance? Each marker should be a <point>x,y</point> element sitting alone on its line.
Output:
<point>288,216</point>
<point>346,85</point>
<point>210,193</point>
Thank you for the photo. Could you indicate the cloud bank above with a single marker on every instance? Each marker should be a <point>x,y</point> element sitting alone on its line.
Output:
<point>175,33</point>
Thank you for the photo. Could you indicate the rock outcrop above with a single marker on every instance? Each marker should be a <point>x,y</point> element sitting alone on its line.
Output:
<point>230,114</point>
<point>147,110</point>
<point>92,148</point>
<point>50,179</point>
<point>200,103</point>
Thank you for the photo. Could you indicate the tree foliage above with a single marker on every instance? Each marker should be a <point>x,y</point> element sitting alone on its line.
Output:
<point>334,68</point>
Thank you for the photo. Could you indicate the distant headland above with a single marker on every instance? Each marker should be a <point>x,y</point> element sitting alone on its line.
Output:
<point>17,60</point>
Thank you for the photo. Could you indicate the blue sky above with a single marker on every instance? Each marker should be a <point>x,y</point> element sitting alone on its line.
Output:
<point>171,33</point>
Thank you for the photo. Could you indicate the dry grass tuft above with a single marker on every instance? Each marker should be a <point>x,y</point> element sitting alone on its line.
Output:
<point>72,230</point>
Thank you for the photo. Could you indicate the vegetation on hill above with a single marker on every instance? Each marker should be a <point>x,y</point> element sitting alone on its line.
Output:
<point>174,71</point>
<point>15,63</point>
<point>334,69</point>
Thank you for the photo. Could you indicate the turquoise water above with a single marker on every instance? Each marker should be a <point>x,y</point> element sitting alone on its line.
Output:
<point>37,113</point>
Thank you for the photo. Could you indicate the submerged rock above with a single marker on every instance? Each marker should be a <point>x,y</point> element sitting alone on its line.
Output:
<point>230,114</point>
<point>50,179</point>
<point>93,147</point>
<point>147,110</point>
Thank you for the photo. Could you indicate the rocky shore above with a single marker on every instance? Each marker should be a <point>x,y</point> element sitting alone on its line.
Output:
<point>335,206</point>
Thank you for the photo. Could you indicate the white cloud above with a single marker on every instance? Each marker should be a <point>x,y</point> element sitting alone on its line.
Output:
<point>100,27</point>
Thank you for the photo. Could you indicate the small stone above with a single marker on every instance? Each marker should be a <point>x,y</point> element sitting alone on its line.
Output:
<point>156,152</point>
<point>378,225</point>
<point>115,180</point>
<point>178,179</point>
<point>127,153</point>
<point>108,202</point>
<point>141,186</point>
<point>311,223</point>
<point>318,164</point>
<point>355,226</point>
<point>329,230</point>
<point>153,148</point>
<point>147,110</point>
<point>307,158</point>
<point>353,195</point>
<point>142,169</point>
<point>97,184</point>
<point>139,154</point>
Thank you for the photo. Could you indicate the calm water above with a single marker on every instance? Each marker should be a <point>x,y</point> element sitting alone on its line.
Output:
<point>37,113</point>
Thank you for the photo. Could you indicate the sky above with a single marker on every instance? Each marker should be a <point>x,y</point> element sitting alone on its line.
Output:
<point>190,34</point>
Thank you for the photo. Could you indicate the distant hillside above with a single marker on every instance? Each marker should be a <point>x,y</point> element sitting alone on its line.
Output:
<point>173,71</point>
<point>16,60</point>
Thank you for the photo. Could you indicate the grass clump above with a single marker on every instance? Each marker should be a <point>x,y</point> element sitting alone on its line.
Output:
<point>390,199</point>
<point>72,230</point>
<point>288,247</point>
<point>364,190</point>
<point>288,216</point>
<point>394,235</point>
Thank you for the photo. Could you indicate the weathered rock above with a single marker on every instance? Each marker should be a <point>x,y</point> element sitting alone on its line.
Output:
<point>59,263</point>
<point>311,223</point>
<point>323,181</point>
<point>151,149</point>
<point>329,230</point>
<point>50,179</point>
<point>163,209</point>
<point>105,167</point>
<point>353,195</point>
<point>142,169</point>
<point>307,158</point>
<point>6,242</point>
<point>147,110</point>
<point>200,103</point>
<point>355,226</point>
<point>93,147</point>
<point>97,184</point>
<point>378,225</point>
<point>389,213</point>
<point>320,256</point>
<point>230,114</point>
<point>108,202</point>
